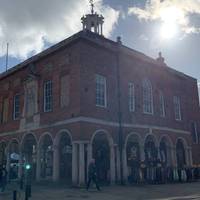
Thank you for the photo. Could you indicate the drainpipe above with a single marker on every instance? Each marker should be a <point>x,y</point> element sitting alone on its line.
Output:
<point>120,130</point>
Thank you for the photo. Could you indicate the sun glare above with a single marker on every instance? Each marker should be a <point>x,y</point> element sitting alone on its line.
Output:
<point>169,17</point>
<point>168,30</point>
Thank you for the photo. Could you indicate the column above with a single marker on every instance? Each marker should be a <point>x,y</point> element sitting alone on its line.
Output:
<point>89,155</point>
<point>118,164</point>
<point>8,163</point>
<point>191,159</point>
<point>38,165</point>
<point>112,165</point>
<point>188,155</point>
<point>125,167</point>
<point>142,154</point>
<point>20,164</point>
<point>81,164</point>
<point>174,161</point>
<point>55,163</point>
<point>74,164</point>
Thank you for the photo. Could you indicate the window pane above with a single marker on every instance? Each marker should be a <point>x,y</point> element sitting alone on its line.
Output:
<point>147,97</point>
<point>131,97</point>
<point>16,111</point>
<point>177,108</point>
<point>162,105</point>
<point>48,98</point>
<point>100,90</point>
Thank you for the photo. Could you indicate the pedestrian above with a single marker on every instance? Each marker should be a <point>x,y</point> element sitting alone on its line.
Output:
<point>3,178</point>
<point>92,175</point>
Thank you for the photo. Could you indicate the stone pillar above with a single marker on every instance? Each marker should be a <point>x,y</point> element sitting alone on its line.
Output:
<point>55,163</point>
<point>89,155</point>
<point>38,165</point>
<point>112,164</point>
<point>8,163</point>
<point>74,164</point>
<point>169,155</point>
<point>81,164</point>
<point>125,166</point>
<point>174,160</point>
<point>142,154</point>
<point>118,164</point>
<point>20,165</point>
<point>188,155</point>
<point>191,159</point>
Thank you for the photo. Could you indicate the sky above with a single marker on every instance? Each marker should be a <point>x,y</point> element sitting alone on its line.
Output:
<point>149,26</point>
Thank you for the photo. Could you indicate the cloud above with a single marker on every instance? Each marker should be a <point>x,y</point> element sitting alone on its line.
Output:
<point>30,24</point>
<point>168,11</point>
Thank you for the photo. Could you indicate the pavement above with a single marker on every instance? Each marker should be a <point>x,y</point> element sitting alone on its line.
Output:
<point>184,191</point>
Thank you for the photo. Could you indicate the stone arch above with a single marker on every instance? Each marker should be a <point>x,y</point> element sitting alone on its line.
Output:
<point>103,153</point>
<point>132,156</point>
<point>181,152</point>
<point>29,147</point>
<point>150,147</point>
<point>58,135</point>
<point>45,153</point>
<point>63,155</point>
<point>103,131</point>
<point>165,150</point>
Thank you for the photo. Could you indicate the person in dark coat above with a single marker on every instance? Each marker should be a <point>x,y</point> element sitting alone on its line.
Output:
<point>3,178</point>
<point>92,175</point>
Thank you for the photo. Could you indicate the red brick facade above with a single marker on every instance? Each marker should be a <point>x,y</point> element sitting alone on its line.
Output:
<point>82,57</point>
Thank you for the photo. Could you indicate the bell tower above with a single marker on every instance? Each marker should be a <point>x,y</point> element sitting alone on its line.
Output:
<point>93,22</point>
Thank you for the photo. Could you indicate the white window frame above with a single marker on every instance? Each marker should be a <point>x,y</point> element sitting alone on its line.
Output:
<point>147,97</point>
<point>99,79</point>
<point>14,107</point>
<point>131,96</point>
<point>196,133</point>
<point>162,104</point>
<point>177,108</point>
<point>50,96</point>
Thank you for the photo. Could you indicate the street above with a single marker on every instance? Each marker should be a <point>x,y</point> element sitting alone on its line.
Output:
<point>184,191</point>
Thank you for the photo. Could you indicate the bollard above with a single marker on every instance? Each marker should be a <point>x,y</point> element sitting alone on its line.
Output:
<point>14,195</point>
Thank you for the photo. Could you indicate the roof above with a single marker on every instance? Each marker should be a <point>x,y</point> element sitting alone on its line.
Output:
<point>95,38</point>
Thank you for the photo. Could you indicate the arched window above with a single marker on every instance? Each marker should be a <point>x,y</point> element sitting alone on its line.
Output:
<point>131,97</point>
<point>147,97</point>
<point>162,104</point>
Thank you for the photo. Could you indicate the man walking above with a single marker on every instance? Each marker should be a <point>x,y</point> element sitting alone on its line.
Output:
<point>92,174</point>
<point>3,178</point>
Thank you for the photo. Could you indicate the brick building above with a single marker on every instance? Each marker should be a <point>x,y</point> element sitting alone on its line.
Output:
<point>88,96</point>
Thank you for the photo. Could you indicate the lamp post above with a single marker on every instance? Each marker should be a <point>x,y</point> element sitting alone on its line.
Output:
<point>27,181</point>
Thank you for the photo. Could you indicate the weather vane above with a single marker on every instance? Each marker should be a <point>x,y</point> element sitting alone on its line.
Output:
<point>92,6</point>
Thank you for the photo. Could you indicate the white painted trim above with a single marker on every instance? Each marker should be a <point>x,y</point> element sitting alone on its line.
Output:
<point>103,131</point>
<point>59,134</point>
<point>42,138</point>
<point>98,121</point>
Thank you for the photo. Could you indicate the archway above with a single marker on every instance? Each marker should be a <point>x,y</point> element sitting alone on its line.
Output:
<point>46,156</point>
<point>14,157</point>
<point>65,157</point>
<point>150,149</point>
<point>101,154</point>
<point>2,153</point>
<point>165,151</point>
<point>151,157</point>
<point>133,157</point>
<point>29,152</point>
<point>180,154</point>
